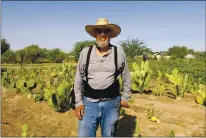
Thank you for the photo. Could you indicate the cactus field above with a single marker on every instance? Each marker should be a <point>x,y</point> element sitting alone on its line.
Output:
<point>38,102</point>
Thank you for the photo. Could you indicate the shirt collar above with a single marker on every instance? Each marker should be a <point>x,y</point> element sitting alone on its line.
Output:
<point>110,47</point>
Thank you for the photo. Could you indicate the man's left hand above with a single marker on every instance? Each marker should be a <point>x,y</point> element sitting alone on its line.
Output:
<point>124,104</point>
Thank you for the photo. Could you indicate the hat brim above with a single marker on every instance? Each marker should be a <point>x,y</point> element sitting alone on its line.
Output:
<point>115,30</point>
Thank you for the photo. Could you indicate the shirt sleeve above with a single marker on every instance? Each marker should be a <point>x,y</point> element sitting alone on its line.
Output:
<point>126,78</point>
<point>78,81</point>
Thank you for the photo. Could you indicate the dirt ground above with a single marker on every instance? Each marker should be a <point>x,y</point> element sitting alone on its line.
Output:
<point>184,116</point>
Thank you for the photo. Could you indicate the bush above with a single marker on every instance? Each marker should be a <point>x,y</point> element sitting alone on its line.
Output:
<point>78,46</point>
<point>195,68</point>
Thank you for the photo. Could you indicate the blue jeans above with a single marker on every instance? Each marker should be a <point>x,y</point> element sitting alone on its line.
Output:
<point>105,113</point>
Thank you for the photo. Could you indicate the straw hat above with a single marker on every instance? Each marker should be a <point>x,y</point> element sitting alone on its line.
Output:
<point>103,23</point>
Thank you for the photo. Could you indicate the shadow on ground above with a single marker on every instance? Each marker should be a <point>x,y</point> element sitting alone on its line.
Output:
<point>126,126</point>
<point>149,92</point>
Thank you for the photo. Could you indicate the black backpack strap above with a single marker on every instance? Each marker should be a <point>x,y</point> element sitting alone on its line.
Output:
<point>87,62</point>
<point>115,60</point>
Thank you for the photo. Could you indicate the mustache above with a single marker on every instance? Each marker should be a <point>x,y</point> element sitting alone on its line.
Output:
<point>103,37</point>
<point>103,44</point>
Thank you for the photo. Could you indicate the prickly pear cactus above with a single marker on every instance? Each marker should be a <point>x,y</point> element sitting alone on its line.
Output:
<point>60,100</point>
<point>64,78</point>
<point>47,94</point>
<point>140,76</point>
<point>192,85</point>
<point>201,96</point>
<point>31,83</point>
<point>178,83</point>
<point>54,84</point>
<point>172,133</point>
<point>137,129</point>
<point>160,85</point>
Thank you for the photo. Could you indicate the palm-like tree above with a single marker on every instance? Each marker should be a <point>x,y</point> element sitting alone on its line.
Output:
<point>134,47</point>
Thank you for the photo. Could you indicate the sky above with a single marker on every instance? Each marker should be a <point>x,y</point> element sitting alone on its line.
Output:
<point>60,24</point>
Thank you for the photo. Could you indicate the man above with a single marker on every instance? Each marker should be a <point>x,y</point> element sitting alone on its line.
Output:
<point>96,86</point>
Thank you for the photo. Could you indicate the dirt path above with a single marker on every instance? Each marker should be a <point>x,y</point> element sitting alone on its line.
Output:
<point>185,117</point>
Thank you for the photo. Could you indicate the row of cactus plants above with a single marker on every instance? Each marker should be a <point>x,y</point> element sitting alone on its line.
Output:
<point>59,87</point>
<point>19,80</point>
<point>54,84</point>
<point>177,82</point>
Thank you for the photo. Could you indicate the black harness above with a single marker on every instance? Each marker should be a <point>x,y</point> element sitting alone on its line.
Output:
<point>111,91</point>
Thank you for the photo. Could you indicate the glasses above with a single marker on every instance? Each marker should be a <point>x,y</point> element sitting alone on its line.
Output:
<point>100,31</point>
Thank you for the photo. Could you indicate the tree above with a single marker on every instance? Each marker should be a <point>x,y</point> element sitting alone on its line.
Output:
<point>134,47</point>
<point>32,53</point>
<point>178,51</point>
<point>56,55</point>
<point>190,51</point>
<point>200,54</point>
<point>9,57</point>
<point>4,46</point>
<point>20,55</point>
<point>78,46</point>
<point>44,57</point>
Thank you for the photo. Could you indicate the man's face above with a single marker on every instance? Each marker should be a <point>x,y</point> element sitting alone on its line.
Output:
<point>102,37</point>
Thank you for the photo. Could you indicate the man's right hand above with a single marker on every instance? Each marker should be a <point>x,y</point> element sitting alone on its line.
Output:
<point>79,112</point>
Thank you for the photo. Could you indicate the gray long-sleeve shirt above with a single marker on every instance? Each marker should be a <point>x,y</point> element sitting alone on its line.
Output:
<point>101,73</point>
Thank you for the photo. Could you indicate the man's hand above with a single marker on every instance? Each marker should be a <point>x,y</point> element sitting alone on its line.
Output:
<point>79,112</point>
<point>124,104</point>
